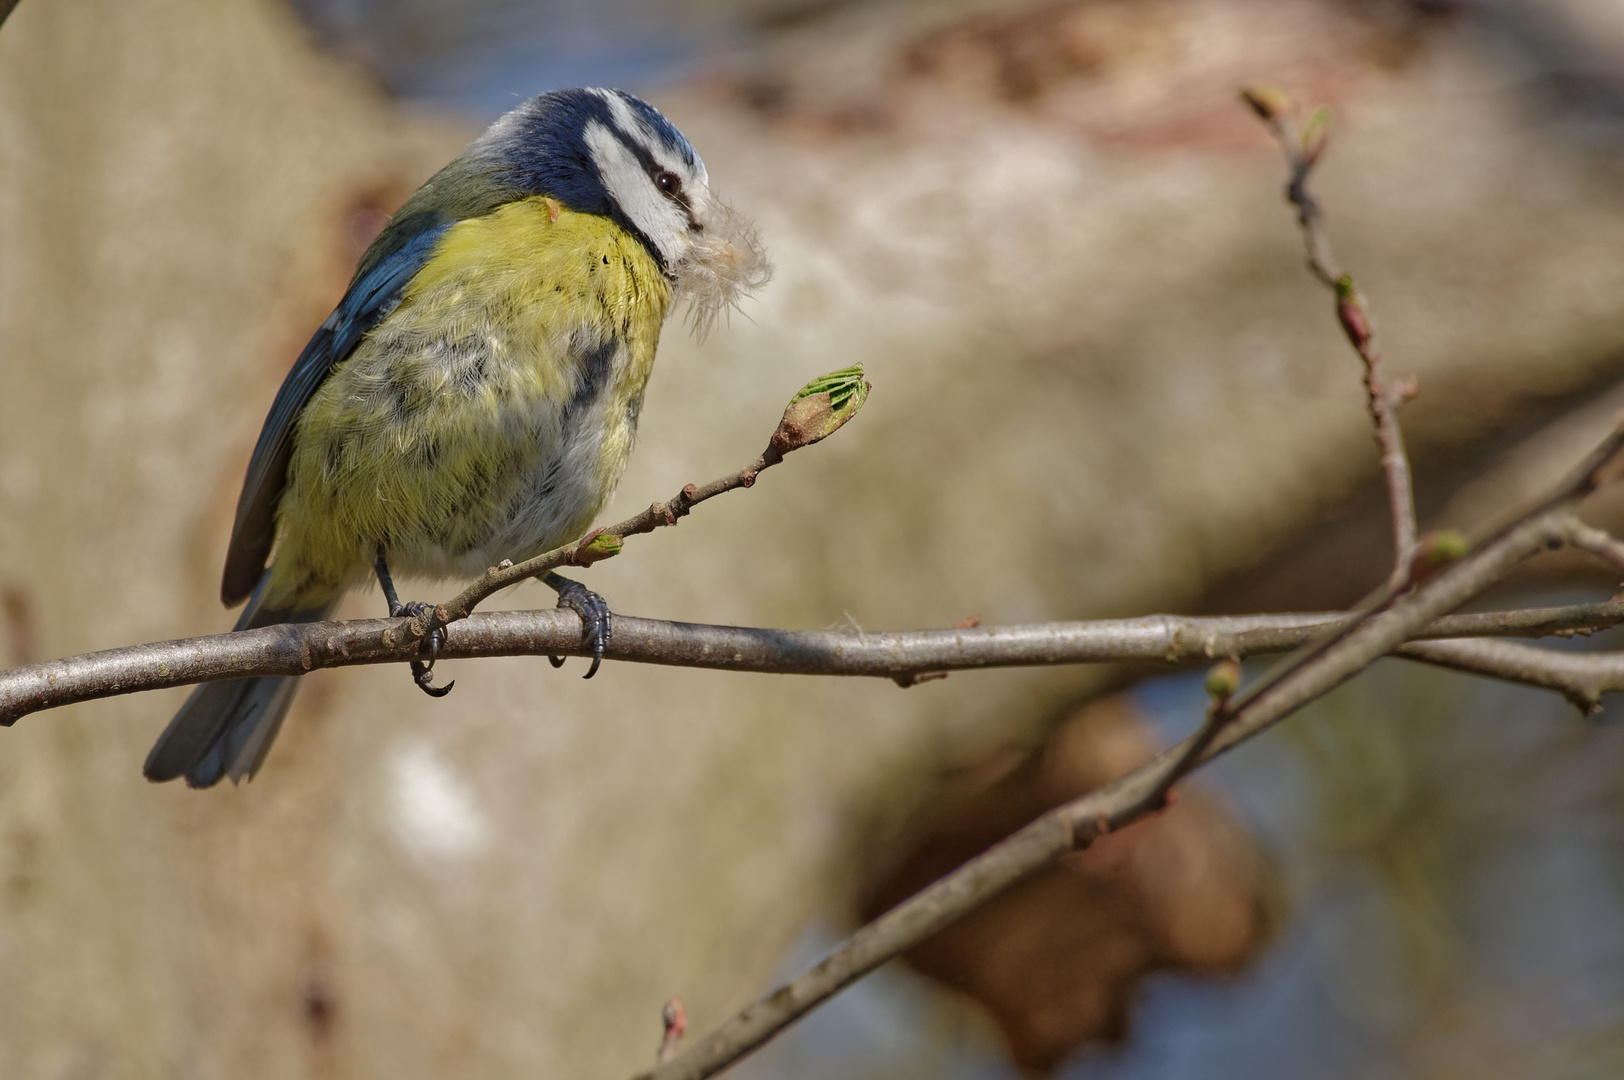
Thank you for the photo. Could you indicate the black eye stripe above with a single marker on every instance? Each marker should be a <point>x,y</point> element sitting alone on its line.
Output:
<point>644,157</point>
<point>656,171</point>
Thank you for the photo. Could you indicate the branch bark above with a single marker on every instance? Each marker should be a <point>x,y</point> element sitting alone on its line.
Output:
<point>902,656</point>
<point>1594,541</point>
<point>1580,677</point>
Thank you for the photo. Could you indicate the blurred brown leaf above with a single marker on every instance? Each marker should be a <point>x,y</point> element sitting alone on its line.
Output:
<point>1058,959</point>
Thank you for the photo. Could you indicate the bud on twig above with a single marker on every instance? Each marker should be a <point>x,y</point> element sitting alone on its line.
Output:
<point>675,1019</point>
<point>1223,680</point>
<point>821,408</point>
<point>1351,313</point>
<point>1269,102</point>
<point>599,545</point>
<point>1436,550</point>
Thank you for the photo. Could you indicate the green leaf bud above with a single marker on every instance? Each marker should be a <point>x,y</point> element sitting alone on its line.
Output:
<point>605,545</point>
<point>820,408</point>
<point>1223,680</point>
<point>1269,102</point>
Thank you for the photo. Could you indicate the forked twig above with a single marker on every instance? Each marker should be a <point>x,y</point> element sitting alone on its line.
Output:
<point>1078,824</point>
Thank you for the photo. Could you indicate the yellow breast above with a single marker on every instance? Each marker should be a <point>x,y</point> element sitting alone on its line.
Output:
<point>488,416</point>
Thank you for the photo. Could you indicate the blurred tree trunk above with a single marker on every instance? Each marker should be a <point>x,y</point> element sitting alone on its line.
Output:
<point>177,179</point>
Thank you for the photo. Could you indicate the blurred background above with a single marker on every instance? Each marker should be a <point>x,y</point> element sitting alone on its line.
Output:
<point>1103,386</point>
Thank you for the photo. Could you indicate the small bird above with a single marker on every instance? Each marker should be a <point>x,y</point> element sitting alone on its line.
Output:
<point>475,394</point>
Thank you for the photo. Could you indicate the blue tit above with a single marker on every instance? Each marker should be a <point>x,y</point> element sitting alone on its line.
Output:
<point>474,395</point>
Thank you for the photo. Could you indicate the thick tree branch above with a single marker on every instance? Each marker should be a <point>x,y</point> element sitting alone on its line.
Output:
<point>903,656</point>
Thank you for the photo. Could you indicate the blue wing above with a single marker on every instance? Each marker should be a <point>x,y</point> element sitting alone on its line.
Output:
<point>389,264</point>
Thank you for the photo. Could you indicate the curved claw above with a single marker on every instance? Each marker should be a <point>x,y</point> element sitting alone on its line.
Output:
<point>594,613</point>
<point>423,671</point>
<point>423,676</point>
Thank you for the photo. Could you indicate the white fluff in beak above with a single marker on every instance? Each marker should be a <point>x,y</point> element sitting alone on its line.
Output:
<point>724,262</point>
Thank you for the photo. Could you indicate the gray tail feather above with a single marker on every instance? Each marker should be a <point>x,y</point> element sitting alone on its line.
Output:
<point>225,728</point>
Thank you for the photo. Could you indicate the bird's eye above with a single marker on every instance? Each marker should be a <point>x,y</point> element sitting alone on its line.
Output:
<point>668,182</point>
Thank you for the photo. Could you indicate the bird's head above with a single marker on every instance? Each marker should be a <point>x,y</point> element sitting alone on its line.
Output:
<point>607,152</point>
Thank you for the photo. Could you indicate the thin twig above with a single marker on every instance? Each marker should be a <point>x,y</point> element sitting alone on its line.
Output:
<point>1581,677</point>
<point>1221,684</point>
<point>1601,465</point>
<point>901,656</point>
<point>1590,539</point>
<point>1302,151</point>
<point>1077,824</point>
<point>1411,562</point>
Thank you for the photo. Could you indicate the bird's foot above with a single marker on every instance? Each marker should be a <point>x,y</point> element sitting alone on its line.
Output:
<point>594,613</point>
<point>423,671</point>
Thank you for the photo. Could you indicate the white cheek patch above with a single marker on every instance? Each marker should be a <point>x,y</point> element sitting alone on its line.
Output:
<point>662,221</point>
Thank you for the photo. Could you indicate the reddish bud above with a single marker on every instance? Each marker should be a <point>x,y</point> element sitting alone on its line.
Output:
<point>1351,313</point>
<point>675,1019</point>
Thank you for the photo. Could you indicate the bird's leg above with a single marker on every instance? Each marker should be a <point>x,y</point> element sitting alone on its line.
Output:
<point>594,613</point>
<point>422,673</point>
<point>387,584</point>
